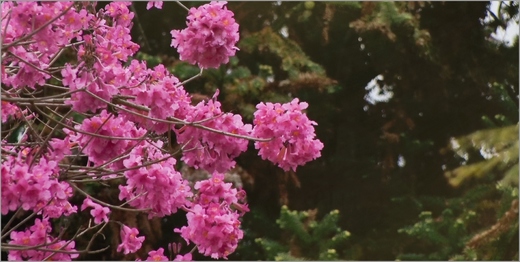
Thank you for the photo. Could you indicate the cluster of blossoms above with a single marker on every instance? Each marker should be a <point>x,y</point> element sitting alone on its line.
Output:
<point>158,255</point>
<point>34,187</point>
<point>158,187</point>
<point>116,132</point>
<point>8,109</point>
<point>27,59</point>
<point>210,38</point>
<point>293,142</point>
<point>209,150</point>
<point>213,225</point>
<point>38,235</point>
<point>100,71</point>
<point>162,94</point>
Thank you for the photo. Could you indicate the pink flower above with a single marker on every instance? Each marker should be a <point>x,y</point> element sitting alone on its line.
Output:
<point>157,4</point>
<point>87,203</point>
<point>186,257</point>
<point>98,212</point>
<point>130,243</point>
<point>59,148</point>
<point>210,38</point>
<point>157,255</point>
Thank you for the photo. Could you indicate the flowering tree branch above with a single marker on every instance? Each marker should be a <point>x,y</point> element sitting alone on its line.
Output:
<point>103,119</point>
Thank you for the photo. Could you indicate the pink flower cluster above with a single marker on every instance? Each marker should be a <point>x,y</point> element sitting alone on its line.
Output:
<point>121,15</point>
<point>212,224</point>
<point>38,235</point>
<point>36,188</point>
<point>100,149</point>
<point>209,150</point>
<point>163,95</point>
<point>81,101</point>
<point>210,38</point>
<point>103,51</point>
<point>7,110</point>
<point>158,187</point>
<point>130,242</point>
<point>18,20</point>
<point>293,142</point>
<point>58,149</point>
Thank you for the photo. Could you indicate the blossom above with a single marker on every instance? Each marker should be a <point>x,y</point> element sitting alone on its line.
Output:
<point>187,257</point>
<point>210,38</point>
<point>157,4</point>
<point>157,255</point>
<point>98,212</point>
<point>130,243</point>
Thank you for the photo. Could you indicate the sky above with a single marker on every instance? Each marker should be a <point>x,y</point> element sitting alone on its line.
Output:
<point>506,36</point>
<point>376,93</point>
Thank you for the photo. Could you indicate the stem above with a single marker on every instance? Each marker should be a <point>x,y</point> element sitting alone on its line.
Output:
<point>141,30</point>
<point>12,219</point>
<point>107,204</point>
<point>183,6</point>
<point>47,139</point>
<point>25,220</point>
<point>189,79</point>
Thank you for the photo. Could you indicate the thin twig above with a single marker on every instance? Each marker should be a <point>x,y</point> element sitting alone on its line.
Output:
<point>107,204</point>
<point>183,6</point>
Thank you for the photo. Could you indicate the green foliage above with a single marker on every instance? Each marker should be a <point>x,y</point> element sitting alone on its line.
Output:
<point>499,150</point>
<point>456,233</point>
<point>184,70</point>
<point>293,60</point>
<point>306,238</point>
<point>151,60</point>
<point>483,223</point>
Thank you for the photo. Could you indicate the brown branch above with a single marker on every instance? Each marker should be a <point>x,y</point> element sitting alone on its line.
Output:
<point>502,225</point>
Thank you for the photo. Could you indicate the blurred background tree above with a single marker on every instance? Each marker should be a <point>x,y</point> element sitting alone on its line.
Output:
<point>394,86</point>
<point>417,105</point>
